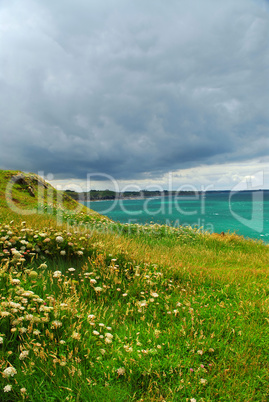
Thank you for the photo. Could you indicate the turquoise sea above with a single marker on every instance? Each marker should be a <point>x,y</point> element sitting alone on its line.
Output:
<point>245,213</point>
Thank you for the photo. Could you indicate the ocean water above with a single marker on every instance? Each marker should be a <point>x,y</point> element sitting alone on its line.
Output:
<point>245,213</point>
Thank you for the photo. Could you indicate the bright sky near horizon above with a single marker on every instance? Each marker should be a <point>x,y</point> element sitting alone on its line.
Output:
<point>142,93</point>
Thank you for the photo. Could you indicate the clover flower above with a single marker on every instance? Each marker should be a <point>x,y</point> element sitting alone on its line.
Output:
<point>59,239</point>
<point>57,274</point>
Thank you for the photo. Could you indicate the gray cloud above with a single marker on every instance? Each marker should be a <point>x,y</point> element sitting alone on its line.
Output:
<point>129,89</point>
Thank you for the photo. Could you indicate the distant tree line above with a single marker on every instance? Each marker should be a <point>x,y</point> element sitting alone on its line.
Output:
<point>95,195</point>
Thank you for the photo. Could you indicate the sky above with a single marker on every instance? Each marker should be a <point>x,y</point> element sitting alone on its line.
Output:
<point>136,94</point>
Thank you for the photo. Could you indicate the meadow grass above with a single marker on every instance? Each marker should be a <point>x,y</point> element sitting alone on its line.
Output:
<point>92,310</point>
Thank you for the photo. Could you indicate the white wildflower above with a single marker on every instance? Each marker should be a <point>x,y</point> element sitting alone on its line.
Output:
<point>108,335</point>
<point>24,354</point>
<point>15,281</point>
<point>75,335</point>
<point>7,388</point>
<point>47,309</point>
<point>121,371</point>
<point>28,293</point>
<point>9,372</point>
<point>56,324</point>
<point>5,313</point>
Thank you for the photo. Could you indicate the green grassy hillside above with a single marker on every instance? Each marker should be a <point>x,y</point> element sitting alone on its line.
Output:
<point>92,310</point>
<point>28,191</point>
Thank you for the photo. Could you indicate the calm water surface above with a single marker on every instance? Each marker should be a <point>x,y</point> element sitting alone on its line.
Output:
<point>246,213</point>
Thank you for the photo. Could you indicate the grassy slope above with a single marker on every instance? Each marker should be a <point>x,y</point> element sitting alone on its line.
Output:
<point>43,192</point>
<point>190,308</point>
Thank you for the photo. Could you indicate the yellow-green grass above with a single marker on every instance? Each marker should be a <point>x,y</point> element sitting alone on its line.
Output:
<point>184,315</point>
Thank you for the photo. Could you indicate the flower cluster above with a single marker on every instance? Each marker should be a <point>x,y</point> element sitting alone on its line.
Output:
<point>19,244</point>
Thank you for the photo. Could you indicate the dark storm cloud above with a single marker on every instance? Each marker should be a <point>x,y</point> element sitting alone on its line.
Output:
<point>128,88</point>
